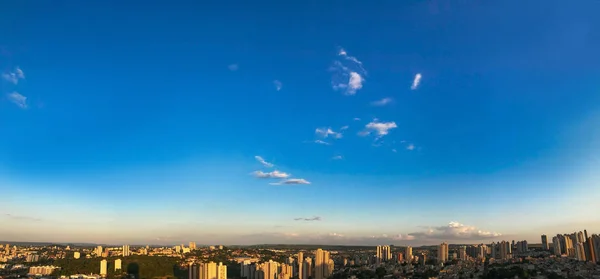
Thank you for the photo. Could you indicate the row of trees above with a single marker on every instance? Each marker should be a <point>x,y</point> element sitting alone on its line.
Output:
<point>139,267</point>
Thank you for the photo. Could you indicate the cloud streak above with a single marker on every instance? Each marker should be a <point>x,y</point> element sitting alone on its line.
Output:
<point>315,218</point>
<point>338,157</point>
<point>273,174</point>
<point>416,82</point>
<point>22,218</point>
<point>233,67</point>
<point>382,102</point>
<point>292,181</point>
<point>17,99</point>
<point>263,162</point>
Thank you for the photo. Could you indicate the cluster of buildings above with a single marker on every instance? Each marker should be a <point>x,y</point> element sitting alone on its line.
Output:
<point>578,246</point>
<point>42,270</point>
<point>209,270</point>
<point>321,267</point>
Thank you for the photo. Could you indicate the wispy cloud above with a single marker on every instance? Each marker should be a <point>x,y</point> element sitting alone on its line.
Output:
<point>338,157</point>
<point>291,181</point>
<point>344,128</point>
<point>410,147</point>
<point>394,150</point>
<point>14,76</point>
<point>356,119</point>
<point>381,102</point>
<point>416,82</point>
<point>455,231</point>
<point>322,142</point>
<point>263,162</point>
<point>315,218</point>
<point>326,132</point>
<point>277,84</point>
<point>380,128</point>
<point>22,218</point>
<point>348,74</point>
<point>273,174</point>
<point>17,99</point>
<point>233,67</point>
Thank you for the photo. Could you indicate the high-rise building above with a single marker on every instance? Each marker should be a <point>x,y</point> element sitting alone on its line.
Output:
<point>193,271</point>
<point>591,253</point>
<point>126,251</point>
<point>208,270</point>
<point>580,237</point>
<point>221,271</point>
<point>462,253</point>
<point>408,256</point>
<point>99,251</point>
<point>384,253</point>
<point>118,264</point>
<point>192,245</point>
<point>103,267</point>
<point>580,252</point>
<point>308,268</point>
<point>556,246</point>
<point>545,242</point>
<point>300,267</point>
<point>443,252</point>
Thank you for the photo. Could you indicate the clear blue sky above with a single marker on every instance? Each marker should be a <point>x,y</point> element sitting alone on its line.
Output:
<point>134,122</point>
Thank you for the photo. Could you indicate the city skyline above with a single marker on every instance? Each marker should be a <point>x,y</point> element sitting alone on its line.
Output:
<point>398,124</point>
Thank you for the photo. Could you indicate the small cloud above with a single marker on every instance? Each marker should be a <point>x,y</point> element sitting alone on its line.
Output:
<point>263,162</point>
<point>322,142</point>
<point>416,82</point>
<point>292,181</point>
<point>355,83</point>
<point>349,74</point>
<point>14,76</point>
<point>326,132</point>
<point>410,147</point>
<point>356,119</point>
<point>18,99</point>
<point>315,218</point>
<point>394,150</point>
<point>338,157</point>
<point>381,102</point>
<point>277,84</point>
<point>381,128</point>
<point>233,67</point>
<point>344,128</point>
<point>273,174</point>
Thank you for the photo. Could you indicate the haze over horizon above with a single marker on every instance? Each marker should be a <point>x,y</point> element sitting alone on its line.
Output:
<point>321,122</point>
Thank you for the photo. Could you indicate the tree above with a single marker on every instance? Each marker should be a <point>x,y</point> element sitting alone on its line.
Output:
<point>380,272</point>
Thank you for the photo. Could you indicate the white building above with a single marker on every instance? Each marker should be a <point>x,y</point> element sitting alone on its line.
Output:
<point>103,267</point>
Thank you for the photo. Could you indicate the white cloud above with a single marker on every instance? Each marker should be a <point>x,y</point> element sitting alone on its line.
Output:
<point>14,76</point>
<point>233,67</point>
<point>382,102</point>
<point>326,132</point>
<point>356,119</point>
<point>338,157</point>
<point>344,128</point>
<point>394,150</point>
<point>277,84</point>
<point>263,162</point>
<point>454,231</point>
<point>416,82</point>
<point>354,83</point>
<point>381,128</point>
<point>292,181</point>
<point>273,174</point>
<point>349,74</point>
<point>18,99</point>
<point>410,147</point>
<point>322,142</point>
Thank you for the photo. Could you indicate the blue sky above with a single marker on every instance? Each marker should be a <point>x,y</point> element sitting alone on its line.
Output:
<point>140,123</point>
